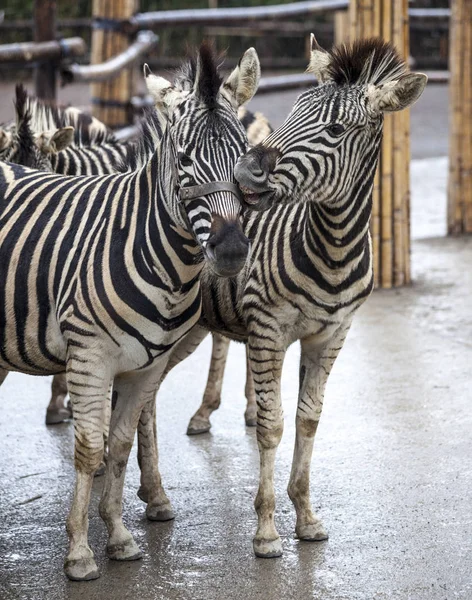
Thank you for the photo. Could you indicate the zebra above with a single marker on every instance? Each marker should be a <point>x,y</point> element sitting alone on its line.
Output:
<point>112,265</point>
<point>311,263</point>
<point>94,150</point>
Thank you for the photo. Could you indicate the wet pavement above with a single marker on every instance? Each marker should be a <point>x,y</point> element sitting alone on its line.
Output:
<point>391,477</point>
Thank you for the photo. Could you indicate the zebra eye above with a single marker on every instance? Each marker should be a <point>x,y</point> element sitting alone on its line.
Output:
<point>185,159</point>
<point>336,129</point>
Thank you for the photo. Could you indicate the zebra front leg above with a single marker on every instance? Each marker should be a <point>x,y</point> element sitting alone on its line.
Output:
<point>57,411</point>
<point>88,385</point>
<point>132,391</point>
<point>315,365</point>
<point>200,422</point>
<point>266,366</point>
<point>151,491</point>
<point>250,415</point>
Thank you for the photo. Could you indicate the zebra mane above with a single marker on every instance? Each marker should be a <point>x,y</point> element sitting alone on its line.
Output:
<point>87,130</point>
<point>27,152</point>
<point>150,134</point>
<point>369,61</point>
<point>201,69</point>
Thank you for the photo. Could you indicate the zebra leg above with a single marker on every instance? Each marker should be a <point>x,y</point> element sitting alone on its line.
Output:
<point>133,392</point>
<point>266,366</point>
<point>106,427</point>
<point>151,489</point>
<point>250,415</point>
<point>200,422</point>
<point>88,387</point>
<point>315,365</point>
<point>56,411</point>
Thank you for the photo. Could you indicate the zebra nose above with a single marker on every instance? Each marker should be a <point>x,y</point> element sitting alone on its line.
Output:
<point>227,250</point>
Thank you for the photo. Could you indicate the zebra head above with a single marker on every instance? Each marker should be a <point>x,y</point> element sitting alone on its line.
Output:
<point>331,139</point>
<point>20,145</point>
<point>201,112</point>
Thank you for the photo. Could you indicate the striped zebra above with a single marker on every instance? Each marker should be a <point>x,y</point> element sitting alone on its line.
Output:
<point>102,275</point>
<point>311,262</point>
<point>94,150</point>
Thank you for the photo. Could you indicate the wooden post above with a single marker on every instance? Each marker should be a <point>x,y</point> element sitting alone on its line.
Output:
<point>390,225</point>
<point>341,27</point>
<point>45,31</point>
<point>111,99</point>
<point>459,217</point>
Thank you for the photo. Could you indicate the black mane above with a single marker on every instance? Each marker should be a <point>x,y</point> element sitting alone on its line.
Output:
<point>369,61</point>
<point>26,152</point>
<point>203,69</point>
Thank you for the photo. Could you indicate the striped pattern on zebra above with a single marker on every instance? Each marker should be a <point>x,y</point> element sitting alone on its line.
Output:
<point>94,150</point>
<point>102,276</point>
<point>311,263</point>
<point>21,146</point>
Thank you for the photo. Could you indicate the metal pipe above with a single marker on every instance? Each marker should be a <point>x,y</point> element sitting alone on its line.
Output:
<point>29,52</point>
<point>110,68</point>
<point>212,16</point>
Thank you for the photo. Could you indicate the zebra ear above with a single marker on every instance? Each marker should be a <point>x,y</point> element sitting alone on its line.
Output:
<point>5,139</point>
<point>163,92</point>
<point>319,60</point>
<point>242,83</point>
<point>52,142</point>
<point>396,95</point>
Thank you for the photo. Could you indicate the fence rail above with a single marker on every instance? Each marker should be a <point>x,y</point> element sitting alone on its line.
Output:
<point>30,52</point>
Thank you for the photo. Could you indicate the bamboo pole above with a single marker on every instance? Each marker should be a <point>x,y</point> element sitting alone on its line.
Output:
<point>341,27</point>
<point>460,141</point>
<point>111,99</point>
<point>390,197</point>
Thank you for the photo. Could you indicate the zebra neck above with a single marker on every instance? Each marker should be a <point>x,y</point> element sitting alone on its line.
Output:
<point>164,246</point>
<point>338,234</point>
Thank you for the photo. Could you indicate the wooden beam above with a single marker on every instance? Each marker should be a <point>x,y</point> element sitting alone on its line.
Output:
<point>45,31</point>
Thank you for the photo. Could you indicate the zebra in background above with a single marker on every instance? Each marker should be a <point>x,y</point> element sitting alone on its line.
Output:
<point>94,150</point>
<point>111,266</point>
<point>311,262</point>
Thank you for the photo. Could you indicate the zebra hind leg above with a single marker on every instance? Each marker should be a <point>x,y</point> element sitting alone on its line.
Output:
<point>133,392</point>
<point>250,415</point>
<point>57,411</point>
<point>88,387</point>
<point>200,422</point>
<point>151,491</point>
<point>315,365</point>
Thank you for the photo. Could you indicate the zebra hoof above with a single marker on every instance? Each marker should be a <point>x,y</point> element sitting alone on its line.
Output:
<point>311,532</point>
<point>198,425</point>
<point>163,512</point>
<point>55,416</point>
<point>143,494</point>
<point>127,550</point>
<point>267,548</point>
<point>251,422</point>
<point>83,569</point>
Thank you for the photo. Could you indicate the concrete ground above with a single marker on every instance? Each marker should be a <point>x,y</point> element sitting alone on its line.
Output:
<point>392,470</point>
